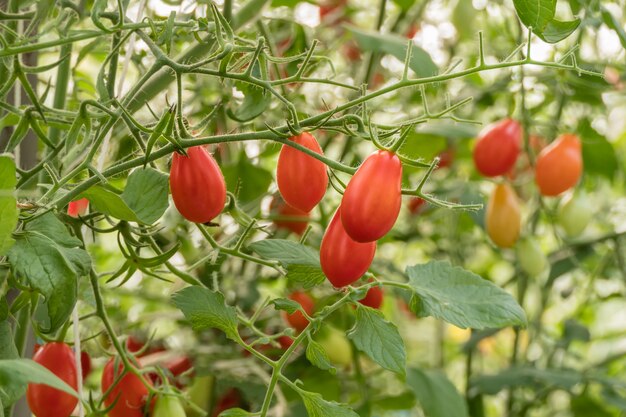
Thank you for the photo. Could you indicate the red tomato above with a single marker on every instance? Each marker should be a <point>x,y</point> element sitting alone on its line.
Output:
<point>85,363</point>
<point>330,10</point>
<point>377,80</point>
<point>503,218</point>
<point>559,166</point>
<point>302,180</point>
<point>285,342</point>
<point>344,260</point>
<point>230,399</point>
<point>412,31</point>
<point>197,185</point>
<point>374,297</point>
<point>134,345</point>
<point>78,208</point>
<point>129,394</point>
<point>352,51</point>
<point>300,218</point>
<point>297,319</point>
<point>416,205</point>
<point>179,365</point>
<point>45,401</point>
<point>446,158</point>
<point>497,148</point>
<point>373,197</point>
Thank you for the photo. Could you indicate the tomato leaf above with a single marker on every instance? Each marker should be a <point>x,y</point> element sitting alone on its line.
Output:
<point>247,180</point>
<point>50,259</point>
<point>254,103</point>
<point>109,203</point>
<point>286,304</point>
<point>599,156</point>
<point>15,374</point>
<point>462,298</point>
<point>539,16</point>
<point>286,252</point>
<point>146,194</point>
<point>207,309</point>
<point>526,377</point>
<point>436,394</point>
<point>235,412</point>
<point>421,62</point>
<point>379,339</point>
<point>7,346</point>
<point>317,406</point>
<point>306,275</point>
<point>8,203</point>
<point>316,354</point>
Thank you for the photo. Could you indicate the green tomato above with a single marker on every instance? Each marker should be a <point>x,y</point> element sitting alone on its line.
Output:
<point>531,258</point>
<point>336,345</point>
<point>168,406</point>
<point>575,213</point>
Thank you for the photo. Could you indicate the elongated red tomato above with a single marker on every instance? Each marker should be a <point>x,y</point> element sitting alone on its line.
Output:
<point>503,218</point>
<point>129,394</point>
<point>45,401</point>
<point>293,219</point>
<point>78,207</point>
<point>302,180</point>
<point>416,205</point>
<point>373,197</point>
<point>374,297</point>
<point>197,185</point>
<point>559,166</point>
<point>344,260</point>
<point>85,363</point>
<point>498,147</point>
<point>297,319</point>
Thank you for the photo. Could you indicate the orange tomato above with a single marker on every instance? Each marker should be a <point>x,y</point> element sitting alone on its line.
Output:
<point>559,166</point>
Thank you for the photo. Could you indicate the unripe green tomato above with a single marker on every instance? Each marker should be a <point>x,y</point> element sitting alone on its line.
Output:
<point>337,346</point>
<point>531,258</point>
<point>199,392</point>
<point>168,406</point>
<point>575,213</point>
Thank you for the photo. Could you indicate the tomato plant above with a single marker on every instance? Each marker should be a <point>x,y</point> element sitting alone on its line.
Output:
<point>205,201</point>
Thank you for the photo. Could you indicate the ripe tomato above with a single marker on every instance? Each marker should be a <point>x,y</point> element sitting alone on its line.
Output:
<point>503,218</point>
<point>531,258</point>
<point>374,297</point>
<point>575,213</point>
<point>497,148</point>
<point>297,319</point>
<point>129,394</point>
<point>230,399</point>
<point>302,180</point>
<point>559,166</point>
<point>78,208</point>
<point>197,185</point>
<point>168,406</point>
<point>179,365</point>
<point>336,345</point>
<point>343,260</point>
<point>416,205</point>
<point>299,221</point>
<point>85,363</point>
<point>45,401</point>
<point>285,342</point>
<point>352,51</point>
<point>446,158</point>
<point>373,197</point>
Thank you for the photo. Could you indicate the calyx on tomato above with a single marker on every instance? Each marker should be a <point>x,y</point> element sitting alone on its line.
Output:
<point>373,197</point>
<point>559,166</point>
<point>344,260</point>
<point>302,179</point>
<point>197,185</point>
<point>497,148</point>
<point>503,217</point>
<point>45,401</point>
<point>128,397</point>
<point>297,320</point>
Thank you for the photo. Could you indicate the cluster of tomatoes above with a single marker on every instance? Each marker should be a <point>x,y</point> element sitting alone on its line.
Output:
<point>557,169</point>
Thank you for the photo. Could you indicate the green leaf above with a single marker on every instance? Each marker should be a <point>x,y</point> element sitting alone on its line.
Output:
<point>286,304</point>
<point>8,203</point>
<point>286,252</point>
<point>462,298</point>
<point>48,257</point>
<point>404,401</point>
<point>316,406</point>
<point>15,374</point>
<point>539,15</point>
<point>254,103</point>
<point>109,203</point>
<point>421,62</point>
<point>316,354</point>
<point>308,276</point>
<point>248,181</point>
<point>599,157</point>
<point>526,377</point>
<point>436,394</point>
<point>235,412</point>
<point>379,339</point>
<point>146,194</point>
<point>206,309</point>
